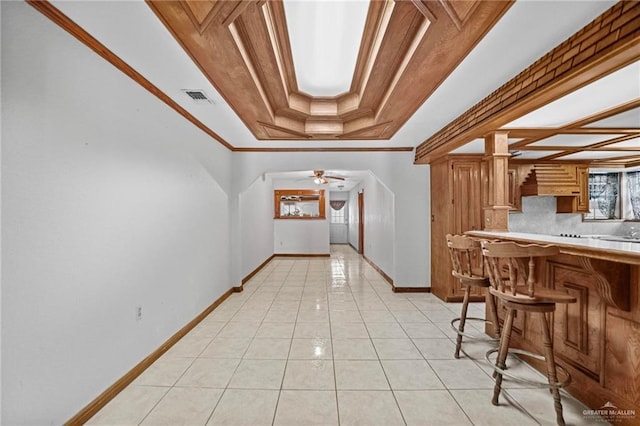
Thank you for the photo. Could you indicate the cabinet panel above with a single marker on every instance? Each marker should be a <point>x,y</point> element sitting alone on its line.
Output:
<point>513,188</point>
<point>577,326</point>
<point>441,225</point>
<point>467,211</point>
<point>583,197</point>
<point>623,358</point>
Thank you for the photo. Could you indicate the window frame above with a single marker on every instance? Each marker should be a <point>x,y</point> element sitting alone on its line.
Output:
<point>623,205</point>
<point>319,193</point>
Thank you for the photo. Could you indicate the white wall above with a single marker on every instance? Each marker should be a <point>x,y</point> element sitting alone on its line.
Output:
<point>294,236</point>
<point>339,195</point>
<point>0,244</point>
<point>111,201</point>
<point>539,216</point>
<point>256,217</point>
<point>379,225</point>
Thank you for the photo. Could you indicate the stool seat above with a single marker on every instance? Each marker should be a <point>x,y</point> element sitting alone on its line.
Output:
<point>520,291</point>
<point>468,268</point>
<point>542,296</point>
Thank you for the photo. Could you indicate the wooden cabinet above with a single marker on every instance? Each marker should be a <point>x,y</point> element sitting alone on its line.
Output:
<point>583,181</point>
<point>599,344</point>
<point>569,183</point>
<point>456,207</point>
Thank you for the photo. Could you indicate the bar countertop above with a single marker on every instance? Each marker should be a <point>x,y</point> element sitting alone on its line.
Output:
<point>593,247</point>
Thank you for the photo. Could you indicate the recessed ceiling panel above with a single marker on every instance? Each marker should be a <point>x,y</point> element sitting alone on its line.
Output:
<point>291,66</point>
<point>615,89</point>
<point>627,119</point>
<point>631,143</point>
<point>325,37</point>
<point>597,155</point>
<point>533,155</point>
<point>574,140</point>
<point>476,146</point>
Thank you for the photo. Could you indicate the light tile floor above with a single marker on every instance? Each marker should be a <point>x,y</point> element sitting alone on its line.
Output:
<point>314,341</point>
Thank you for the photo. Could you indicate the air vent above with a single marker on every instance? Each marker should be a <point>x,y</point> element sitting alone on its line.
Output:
<point>198,96</point>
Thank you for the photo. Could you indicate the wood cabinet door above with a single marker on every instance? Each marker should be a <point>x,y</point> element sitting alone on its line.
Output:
<point>467,208</point>
<point>583,182</point>
<point>514,200</point>
<point>441,224</point>
<point>578,326</point>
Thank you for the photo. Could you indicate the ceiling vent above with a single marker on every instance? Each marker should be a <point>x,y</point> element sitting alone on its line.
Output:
<point>198,96</point>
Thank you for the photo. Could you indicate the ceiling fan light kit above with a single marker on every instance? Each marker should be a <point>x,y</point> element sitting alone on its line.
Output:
<point>321,179</point>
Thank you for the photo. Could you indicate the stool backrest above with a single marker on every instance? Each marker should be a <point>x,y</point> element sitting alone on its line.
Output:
<point>462,250</point>
<point>519,260</point>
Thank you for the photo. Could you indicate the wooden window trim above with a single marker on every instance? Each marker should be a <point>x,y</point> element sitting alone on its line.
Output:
<point>277,194</point>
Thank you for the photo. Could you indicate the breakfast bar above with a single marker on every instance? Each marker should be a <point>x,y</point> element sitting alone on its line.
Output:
<point>598,338</point>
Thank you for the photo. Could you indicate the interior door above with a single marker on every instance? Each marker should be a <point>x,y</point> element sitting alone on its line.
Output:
<point>338,228</point>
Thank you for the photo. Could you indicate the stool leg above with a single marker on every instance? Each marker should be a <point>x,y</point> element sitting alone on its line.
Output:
<point>493,312</point>
<point>502,353</point>
<point>551,367</point>
<point>463,320</point>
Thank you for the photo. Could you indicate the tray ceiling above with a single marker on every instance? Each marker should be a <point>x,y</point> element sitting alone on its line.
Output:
<point>161,66</point>
<point>407,49</point>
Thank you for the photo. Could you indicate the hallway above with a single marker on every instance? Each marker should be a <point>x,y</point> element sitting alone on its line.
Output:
<point>326,341</point>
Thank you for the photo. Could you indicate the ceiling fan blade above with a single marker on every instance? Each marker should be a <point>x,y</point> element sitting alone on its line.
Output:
<point>334,177</point>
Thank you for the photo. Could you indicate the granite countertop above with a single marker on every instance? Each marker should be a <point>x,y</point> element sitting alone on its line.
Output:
<point>594,247</point>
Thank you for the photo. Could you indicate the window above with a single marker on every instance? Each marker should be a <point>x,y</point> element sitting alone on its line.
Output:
<point>604,189</point>
<point>614,196</point>
<point>632,210</point>
<point>337,216</point>
<point>299,204</point>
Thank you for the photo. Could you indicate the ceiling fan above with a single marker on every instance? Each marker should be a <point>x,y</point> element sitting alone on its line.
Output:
<point>319,178</point>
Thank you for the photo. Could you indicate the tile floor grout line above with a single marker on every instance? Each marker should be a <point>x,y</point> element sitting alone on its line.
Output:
<point>382,366</point>
<point>237,366</point>
<point>284,373</point>
<point>333,358</point>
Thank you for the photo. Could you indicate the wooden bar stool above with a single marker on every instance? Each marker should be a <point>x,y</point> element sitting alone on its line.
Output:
<point>521,292</point>
<point>466,258</point>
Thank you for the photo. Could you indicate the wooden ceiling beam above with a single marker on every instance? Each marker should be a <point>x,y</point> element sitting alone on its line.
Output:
<point>607,44</point>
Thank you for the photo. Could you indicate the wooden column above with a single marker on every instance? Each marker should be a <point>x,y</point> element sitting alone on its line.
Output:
<point>496,159</point>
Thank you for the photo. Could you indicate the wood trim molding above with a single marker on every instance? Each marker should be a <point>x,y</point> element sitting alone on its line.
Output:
<point>390,280</point>
<point>302,255</point>
<point>103,399</point>
<point>380,271</point>
<point>255,271</point>
<point>336,149</point>
<point>607,44</point>
<point>411,289</point>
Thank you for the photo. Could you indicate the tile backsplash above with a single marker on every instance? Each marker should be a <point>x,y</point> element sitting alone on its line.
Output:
<point>539,217</point>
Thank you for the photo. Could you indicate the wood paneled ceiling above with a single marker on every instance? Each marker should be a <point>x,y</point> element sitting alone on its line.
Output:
<point>578,103</point>
<point>408,49</point>
<point>591,139</point>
